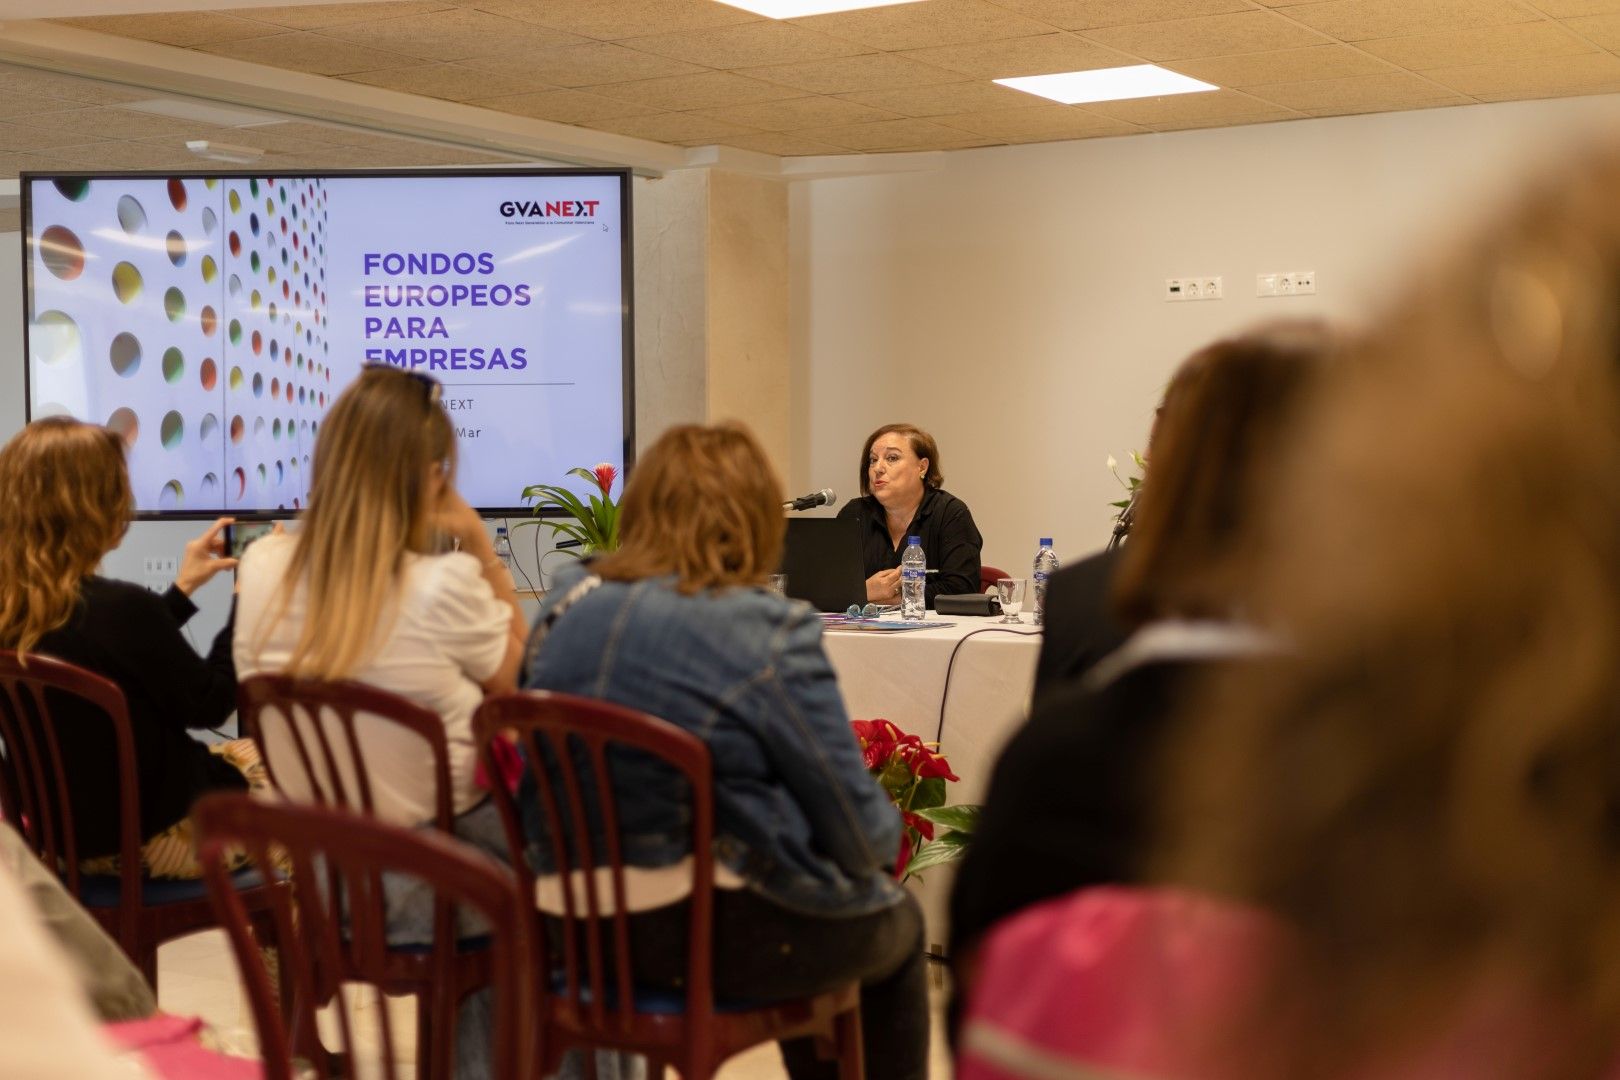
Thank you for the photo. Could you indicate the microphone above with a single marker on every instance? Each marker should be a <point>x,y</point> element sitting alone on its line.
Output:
<point>824,497</point>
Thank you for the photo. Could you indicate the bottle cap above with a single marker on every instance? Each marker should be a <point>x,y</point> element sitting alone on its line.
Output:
<point>914,540</point>
<point>1046,541</point>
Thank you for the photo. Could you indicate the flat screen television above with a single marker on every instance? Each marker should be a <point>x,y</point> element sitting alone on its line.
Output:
<point>212,319</point>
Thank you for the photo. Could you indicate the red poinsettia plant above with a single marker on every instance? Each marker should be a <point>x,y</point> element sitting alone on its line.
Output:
<point>914,774</point>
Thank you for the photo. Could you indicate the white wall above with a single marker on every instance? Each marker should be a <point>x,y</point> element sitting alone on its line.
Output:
<point>1012,301</point>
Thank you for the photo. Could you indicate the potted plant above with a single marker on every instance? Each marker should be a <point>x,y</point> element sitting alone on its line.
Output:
<point>592,521</point>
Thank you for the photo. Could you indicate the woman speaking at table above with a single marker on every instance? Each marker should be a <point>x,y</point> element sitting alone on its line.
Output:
<point>901,496</point>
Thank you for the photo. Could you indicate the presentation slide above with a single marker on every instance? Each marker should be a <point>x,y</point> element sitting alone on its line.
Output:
<point>212,321</point>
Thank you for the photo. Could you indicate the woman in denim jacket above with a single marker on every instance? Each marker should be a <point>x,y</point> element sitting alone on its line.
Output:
<point>676,624</point>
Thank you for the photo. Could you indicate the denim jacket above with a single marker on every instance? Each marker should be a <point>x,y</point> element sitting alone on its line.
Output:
<point>797,816</point>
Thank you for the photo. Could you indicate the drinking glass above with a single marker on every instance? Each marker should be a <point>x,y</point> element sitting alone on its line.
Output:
<point>1010,591</point>
<point>777,583</point>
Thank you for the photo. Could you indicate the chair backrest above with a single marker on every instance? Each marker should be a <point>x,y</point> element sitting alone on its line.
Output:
<point>319,726</point>
<point>34,793</point>
<point>331,924</point>
<point>565,740</point>
<point>988,576</point>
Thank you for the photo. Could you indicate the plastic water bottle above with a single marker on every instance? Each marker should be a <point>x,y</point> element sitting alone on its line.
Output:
<point>913,578</point>
<point>503,550</point>
<point>1046,564</point>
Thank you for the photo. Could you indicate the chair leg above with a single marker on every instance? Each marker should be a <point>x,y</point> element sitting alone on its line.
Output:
<point>851,1054</point>
<point>426,1052</point>
<point>145,960</point>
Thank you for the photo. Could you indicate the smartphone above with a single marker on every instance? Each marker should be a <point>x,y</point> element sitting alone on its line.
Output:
<point>239,535</point>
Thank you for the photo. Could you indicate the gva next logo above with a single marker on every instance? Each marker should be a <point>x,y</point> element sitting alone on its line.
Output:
<point>550,210</point>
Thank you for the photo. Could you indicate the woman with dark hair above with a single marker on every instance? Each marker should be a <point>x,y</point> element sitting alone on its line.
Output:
<point>1069,802</point>
<point>65,503</point>
<point>902,495</point>
<point>676,623</point>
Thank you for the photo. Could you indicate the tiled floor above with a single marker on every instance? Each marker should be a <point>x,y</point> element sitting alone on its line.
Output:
<point>197,977</point>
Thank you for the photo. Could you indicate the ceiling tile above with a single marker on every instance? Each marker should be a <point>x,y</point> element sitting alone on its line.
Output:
<point>304,51</point>
<point>1590,72</point>
<point>1193,124</point>
<point>1364,92</point>
<point>961,97</point>
<point>621,19</point>
<point>920,26</point>
<point>11,164</point>
<point>1158,110</point>
<point>456,34</point>
<point>1288,65</point>
<point>18,139</point>
<point>116,123</point>
<point>564,106</point>
<point>1486,44</point>
<point>590,64</point>
<point>1603,30</point>
<point>747,45</point>
<point>451,82</point>
<point>708,90</point>
<point>1086,14</point>
<point>184,28</point>
<point>1412,106</point>
<point>1363,20</point>
<point>318,16</point>
<point>24,104</point>
<point>797,113</point>
<point>1041,55</point>
<point>18,80</point>
<point>1568,9</point>
<point>774,142</point>
<point>1049,121</point>
<point>124,155</point>
<point>891,135</point>
<point>852,74</point>
<point>674,127</point>
<point>338,157</point>
<point>1208,35</point>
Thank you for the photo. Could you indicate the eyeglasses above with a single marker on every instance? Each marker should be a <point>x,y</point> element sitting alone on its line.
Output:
<point>870,611</point>
<point>435,389</point>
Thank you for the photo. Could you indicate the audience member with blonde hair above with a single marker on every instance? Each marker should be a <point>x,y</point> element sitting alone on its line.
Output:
<point>676,623</point>
<point>65,503</point>
<point>363,591</point>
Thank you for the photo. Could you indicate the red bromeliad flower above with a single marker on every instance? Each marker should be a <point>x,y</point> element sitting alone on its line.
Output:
<point>912,774</point>
<point>605,475</point>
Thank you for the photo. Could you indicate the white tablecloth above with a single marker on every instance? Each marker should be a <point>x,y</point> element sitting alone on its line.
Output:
<point>901,677</point>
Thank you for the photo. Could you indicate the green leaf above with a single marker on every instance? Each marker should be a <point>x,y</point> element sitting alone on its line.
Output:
<point>963,818</point>
<point>895,778</point>
<point>947,849</point>
<point>930,793</point>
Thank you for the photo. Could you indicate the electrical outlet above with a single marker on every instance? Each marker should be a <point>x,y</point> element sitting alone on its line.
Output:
<point>1176,289</point>
<point>1295,283</point>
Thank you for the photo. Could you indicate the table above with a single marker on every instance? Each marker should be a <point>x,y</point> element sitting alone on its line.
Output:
<point>900,677</point>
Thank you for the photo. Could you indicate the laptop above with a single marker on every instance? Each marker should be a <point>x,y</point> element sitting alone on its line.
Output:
<point>822,561</point>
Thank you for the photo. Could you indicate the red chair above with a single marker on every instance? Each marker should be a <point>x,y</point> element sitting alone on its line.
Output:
<point>139,912</point>
<point>988,576</point>
<point>335,919</point>
<point>323,722</point>
<point>582,1003</point>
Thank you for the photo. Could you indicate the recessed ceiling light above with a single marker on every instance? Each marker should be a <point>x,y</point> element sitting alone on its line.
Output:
<point>1108,84</point>
<point>218,151</point>
<point>797,9</point>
